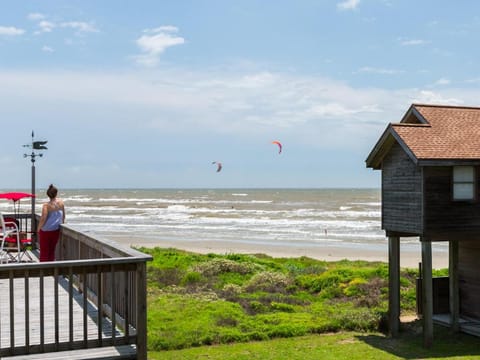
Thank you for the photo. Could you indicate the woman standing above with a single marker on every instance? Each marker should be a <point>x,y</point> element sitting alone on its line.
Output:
<point>53,215</point>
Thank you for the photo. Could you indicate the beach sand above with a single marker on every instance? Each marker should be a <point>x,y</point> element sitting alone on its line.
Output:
<point>410,255</point>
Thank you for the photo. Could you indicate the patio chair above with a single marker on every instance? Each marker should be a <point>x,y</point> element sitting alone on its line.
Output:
<point>14,244</point>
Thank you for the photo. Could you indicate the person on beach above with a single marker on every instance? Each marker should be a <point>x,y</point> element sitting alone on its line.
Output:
<point>53,215</point>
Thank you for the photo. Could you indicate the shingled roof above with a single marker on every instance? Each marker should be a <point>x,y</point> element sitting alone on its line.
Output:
<point>432,133</point>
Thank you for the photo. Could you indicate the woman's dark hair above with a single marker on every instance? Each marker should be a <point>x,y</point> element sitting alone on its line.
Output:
<point>52,191</point>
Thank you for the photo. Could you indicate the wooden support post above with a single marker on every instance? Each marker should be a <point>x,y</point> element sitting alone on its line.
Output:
<point>427,293</point>
<point>454,300</point>
<point>394,285</point>
<point>141,311</point>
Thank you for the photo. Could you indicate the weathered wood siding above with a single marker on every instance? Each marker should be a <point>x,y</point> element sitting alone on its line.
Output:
<point>469,278</point>
<point>444,218</point>
<point>401,193</point>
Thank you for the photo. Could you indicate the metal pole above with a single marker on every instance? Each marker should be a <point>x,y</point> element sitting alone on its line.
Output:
<point>33,220</point>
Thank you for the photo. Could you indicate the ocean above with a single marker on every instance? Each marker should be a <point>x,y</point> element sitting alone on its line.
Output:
<point>277,217</point>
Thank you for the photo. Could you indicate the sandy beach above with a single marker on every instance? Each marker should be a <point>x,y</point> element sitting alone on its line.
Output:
<point>410,255</point>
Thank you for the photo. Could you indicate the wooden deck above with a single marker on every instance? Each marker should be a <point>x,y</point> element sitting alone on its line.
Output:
<point>33,313</point>
<point>89,304</point>
<point>49,327</point>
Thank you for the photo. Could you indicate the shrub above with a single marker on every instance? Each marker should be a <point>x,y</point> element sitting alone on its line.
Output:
<point>370,293</point>
<point>227,321</point>
<point>354,287</point>
<point>269,282</point>
<point>192,279</point>
<point>276,306</point>
<point>318,283</point>
<point>256,307</point>
<point>165,276</point>
<point>360,319</point>
<point>231,291</point>
<point>219,266</point>
<point>298,269</point>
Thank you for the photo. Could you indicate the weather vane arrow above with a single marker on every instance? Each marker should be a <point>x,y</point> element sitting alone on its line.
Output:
<point>39,145</point>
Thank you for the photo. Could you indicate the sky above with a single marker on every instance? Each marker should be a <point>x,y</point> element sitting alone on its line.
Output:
<point>149,93</point>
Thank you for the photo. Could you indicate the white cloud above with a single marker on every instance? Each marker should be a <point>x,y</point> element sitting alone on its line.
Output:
<point>348,5</point>
<point>154,45</point>
<point>46,26</point>
<point>169,106</point>
<point>442,81</point>
<point>47,49</point>
<point>412,42</point>
<point>473,81</point>
<point>383,71</point>
<point>79,26</point>
<point>35,16</point>
<point>314,109</point>
<point>11,31</point>
<point>336,109</point>
<point>215,102</point>
<point>430,97</point>
<point>164,28</point>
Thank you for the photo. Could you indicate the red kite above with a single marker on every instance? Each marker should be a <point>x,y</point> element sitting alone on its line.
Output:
<point>279,146</point>
<point>219,165</point>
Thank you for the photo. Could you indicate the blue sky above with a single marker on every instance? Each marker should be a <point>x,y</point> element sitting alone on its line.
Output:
<point>149,93</point>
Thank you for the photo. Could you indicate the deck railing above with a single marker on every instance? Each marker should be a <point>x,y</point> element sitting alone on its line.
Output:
<point>104,279</point>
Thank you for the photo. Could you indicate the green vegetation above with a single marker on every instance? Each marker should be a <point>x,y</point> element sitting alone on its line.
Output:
<point>338,346</point>
<point>197,300</point>
<point>257,307</point>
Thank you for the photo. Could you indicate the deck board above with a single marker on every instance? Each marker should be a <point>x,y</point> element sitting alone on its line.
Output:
<point>105,353</point>
<point>49,314</point>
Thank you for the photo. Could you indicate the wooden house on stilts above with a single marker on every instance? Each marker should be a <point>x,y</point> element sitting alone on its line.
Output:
<point>430,164</point>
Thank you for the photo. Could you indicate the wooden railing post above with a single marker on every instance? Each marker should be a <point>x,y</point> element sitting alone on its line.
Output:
<point>141,280</point>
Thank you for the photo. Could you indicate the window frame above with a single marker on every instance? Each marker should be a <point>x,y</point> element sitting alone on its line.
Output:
<point>472,182</point>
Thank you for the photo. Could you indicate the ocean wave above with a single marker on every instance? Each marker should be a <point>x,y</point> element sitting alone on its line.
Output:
<point>287,216</point>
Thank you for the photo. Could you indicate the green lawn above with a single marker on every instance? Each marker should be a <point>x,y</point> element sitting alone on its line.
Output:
<point>338,346</point>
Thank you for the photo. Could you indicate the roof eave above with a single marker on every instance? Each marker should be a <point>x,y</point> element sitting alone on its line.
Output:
<point>382,147</point>
<point>448,162</point>
<point>413,111</point>
<point>373,159</point>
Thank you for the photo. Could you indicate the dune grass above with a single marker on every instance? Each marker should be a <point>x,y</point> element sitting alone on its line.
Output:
<point>236,306</point>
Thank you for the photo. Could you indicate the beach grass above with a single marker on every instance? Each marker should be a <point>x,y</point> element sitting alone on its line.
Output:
<point>196,300</point>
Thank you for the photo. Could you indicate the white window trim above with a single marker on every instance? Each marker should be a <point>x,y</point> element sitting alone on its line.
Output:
<point>463,183</point>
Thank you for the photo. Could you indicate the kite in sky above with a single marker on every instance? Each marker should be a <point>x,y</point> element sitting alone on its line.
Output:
<point>219,165</point>
<point>279,146</point>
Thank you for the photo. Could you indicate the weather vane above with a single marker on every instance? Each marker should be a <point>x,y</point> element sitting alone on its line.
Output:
<point>35,145</point>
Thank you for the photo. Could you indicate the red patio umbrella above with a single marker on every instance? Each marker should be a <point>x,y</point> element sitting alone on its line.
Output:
<point>15,197</point>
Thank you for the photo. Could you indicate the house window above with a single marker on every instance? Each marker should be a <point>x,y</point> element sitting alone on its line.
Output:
<point>463,183</point>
